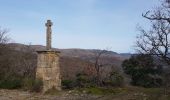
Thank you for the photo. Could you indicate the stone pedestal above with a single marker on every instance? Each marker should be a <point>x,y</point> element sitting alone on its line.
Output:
<point>48,69</point>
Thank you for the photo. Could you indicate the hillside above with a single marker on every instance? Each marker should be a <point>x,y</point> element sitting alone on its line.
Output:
<point>79,53</point>
<point>74,61</point>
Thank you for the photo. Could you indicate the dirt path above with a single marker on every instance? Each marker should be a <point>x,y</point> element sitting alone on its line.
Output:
<point>131,94</point>
<point>22,95</point>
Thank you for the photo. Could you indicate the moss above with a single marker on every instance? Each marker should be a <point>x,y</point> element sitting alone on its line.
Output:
<point>101,90</point>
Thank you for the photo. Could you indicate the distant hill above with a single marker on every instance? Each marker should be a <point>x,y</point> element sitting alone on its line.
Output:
<point>79,53</point>
<point>75,60</point>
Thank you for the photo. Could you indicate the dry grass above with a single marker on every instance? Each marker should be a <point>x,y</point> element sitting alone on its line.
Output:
<point>126,93</point>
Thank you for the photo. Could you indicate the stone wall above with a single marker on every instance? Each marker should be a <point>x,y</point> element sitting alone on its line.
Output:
<point>48,69</point>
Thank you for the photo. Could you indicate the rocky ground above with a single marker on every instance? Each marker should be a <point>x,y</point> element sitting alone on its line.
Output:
<point>122,94</point>
<point>23,95</point>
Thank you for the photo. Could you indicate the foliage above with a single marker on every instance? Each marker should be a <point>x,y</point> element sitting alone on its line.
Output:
<point>15,67</point>
<point>82,80</point>
<point>31,84</point>
<point>143,70</point>
<point>67,84</point>
<point>114,79</point>
<point>100,90</point>
<point>11,83</point>
<point>37,85</point>
<point>27,83</point>
<point>156,40</point>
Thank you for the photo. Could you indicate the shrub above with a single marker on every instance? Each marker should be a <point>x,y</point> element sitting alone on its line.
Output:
<point>31,84</point>
<point>114,79</point>
<point>37,85</point>
<point>27,83</point>
<point>82,80</point>
<point>13,83</point>
<point>67,84</point>
<point>143,70</point>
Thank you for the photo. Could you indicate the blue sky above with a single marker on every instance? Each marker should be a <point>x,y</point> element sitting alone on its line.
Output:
<point>87,24</point>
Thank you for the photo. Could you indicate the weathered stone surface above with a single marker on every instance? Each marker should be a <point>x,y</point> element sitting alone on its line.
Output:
<point>48,32</point>
<point>48,69</point>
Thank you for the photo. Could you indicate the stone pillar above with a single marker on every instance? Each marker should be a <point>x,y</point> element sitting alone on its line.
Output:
<point>48,33</point>
<point>48,69</point>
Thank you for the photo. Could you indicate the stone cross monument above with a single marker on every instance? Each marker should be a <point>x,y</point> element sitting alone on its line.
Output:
<point>49,31</point>
<point>48,69</point>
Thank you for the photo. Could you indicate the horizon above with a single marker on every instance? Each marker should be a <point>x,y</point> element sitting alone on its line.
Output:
<point>67,48</point>
<point>90,24</point>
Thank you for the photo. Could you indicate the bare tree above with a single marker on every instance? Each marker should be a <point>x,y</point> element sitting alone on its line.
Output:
<point>99,64</point>
<point>156,41</point>
<point>21,62</point>
<point>3,36</point>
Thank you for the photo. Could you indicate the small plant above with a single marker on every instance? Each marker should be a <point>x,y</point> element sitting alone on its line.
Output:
<point>27,83</point>
<point>8,83</point>
<point>31,84</point>
<point>37,86</point>
<point>82,80</point>
<point>67,84</point>
<point>114,79</point>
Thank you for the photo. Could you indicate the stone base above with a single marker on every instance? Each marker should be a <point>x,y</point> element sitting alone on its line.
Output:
<point>48,69</point>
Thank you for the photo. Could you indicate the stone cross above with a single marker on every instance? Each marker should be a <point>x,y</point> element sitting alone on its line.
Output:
<point>48,32</point>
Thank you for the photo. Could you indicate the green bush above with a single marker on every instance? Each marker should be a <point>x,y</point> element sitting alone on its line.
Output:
<point>10,83</point>
<point>34,85</point>
<point>27,83</point>
<point>143,70</point>
<point>82,80</point>
<point>114,79</point>
<point>67,84</point>
<point>37,85</point>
